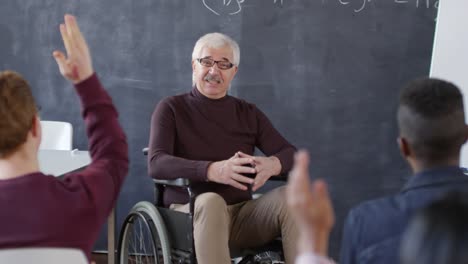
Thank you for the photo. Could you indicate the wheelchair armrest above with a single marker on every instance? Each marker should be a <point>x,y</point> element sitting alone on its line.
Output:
<point>179,182</point>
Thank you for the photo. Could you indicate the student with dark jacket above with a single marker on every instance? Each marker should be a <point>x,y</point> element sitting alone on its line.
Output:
<point>432,128</point>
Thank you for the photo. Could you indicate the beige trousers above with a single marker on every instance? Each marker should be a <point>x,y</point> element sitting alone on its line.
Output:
<point>250,224</point>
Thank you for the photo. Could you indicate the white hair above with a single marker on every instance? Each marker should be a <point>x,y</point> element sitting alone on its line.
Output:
<point>216,40</point>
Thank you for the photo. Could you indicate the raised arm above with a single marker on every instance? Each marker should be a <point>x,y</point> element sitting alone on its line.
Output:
<point>103,178</point>
<point>311,208</point>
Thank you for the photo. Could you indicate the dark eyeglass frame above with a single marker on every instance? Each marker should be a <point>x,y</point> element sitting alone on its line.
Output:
<point>228,66</point>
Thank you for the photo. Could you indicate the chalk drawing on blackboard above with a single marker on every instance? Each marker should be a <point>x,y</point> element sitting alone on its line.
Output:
<point>226,3</point>
<point>235,6</point>
<point>417,3</point>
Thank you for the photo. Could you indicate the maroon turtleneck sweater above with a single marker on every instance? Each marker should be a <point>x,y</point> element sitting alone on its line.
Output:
<point>190,131</point>
<point>38,210</point>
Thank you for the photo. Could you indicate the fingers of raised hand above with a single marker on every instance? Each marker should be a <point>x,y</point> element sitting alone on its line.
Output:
<point>72,37</point>
<point>319,189</point>
<point>61,61</point>
<point>299,175</point>
<point>299,190</point>
<point>73,29</point>
<point>319,194</point>
<point>67,42</point>
<point>66,68</point>
<point>301,160</point>
<point>323,201</point>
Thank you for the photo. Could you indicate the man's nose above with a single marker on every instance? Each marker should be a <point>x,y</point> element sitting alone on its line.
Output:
<point>214,68</point>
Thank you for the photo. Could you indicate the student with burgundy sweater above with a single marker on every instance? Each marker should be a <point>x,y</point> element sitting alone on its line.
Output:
<point>40,210</point>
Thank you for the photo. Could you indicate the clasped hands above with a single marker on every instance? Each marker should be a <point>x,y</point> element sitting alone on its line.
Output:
<point>230,171</point>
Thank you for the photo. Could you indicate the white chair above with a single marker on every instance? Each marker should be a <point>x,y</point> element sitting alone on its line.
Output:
<point>42,256</point>
<point>56,135</point>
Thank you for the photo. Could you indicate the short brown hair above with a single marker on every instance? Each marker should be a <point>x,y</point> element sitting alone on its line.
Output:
<point>17,111</point>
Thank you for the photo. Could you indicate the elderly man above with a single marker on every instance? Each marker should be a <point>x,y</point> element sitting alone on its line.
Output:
<point>209,137</point>
<point>40,210</point>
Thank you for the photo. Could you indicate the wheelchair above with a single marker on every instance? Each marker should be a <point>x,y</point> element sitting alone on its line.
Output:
<point>152,233</point>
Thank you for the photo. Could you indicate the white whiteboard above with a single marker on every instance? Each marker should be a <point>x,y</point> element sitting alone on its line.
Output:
<point>450,53</point>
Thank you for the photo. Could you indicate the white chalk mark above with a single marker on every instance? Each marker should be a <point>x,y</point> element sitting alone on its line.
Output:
<point>239,2</point>
<point>136,80</point>
<point>228,3</point>
<point>209,8</point>
<point>362,7</point>
<point>141,88</point>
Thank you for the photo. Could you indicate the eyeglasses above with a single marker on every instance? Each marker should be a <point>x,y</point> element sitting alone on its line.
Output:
<point>223,65</point>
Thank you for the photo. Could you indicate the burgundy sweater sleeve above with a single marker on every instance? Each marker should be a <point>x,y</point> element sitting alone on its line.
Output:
<point>103,178</point>
<point>271,143</point>
<point>162,162</point>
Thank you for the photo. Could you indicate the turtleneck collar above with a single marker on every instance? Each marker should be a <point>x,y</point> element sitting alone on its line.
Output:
<point>196,93</point>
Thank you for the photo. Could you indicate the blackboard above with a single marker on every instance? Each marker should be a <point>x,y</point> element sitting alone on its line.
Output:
<point>327,73</point>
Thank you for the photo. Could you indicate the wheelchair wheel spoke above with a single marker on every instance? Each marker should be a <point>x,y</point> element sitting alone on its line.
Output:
<point>140,245</point>
<point>140,241</point>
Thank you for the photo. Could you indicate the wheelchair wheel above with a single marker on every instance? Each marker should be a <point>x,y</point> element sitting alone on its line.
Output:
<point>143,237</point>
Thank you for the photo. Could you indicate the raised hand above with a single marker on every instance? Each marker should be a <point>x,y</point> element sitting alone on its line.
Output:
<point>76,66</point>
<point>229,172</point>
<point>310,206</point>
<point>265,167</point>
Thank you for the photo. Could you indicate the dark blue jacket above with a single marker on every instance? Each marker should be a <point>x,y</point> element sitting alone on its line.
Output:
<point>373,230</point>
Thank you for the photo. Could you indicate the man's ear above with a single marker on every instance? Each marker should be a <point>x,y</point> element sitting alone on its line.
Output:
<point>36,128</point>
<point>404,147</point>
<point>235,69</point>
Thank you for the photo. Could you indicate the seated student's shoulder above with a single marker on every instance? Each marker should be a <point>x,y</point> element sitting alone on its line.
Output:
<point>373,229</point>
<point>377,219</point>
